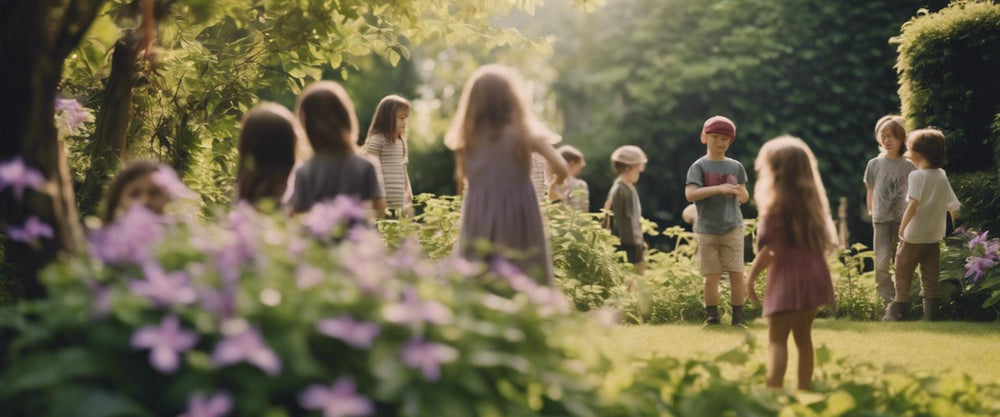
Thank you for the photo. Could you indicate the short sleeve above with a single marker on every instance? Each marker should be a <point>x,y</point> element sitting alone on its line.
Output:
<point>914,185</point>
<point>621,203</point>
<point>374,145</point>
<point>765,232</point>
<point>370,189</point>
<point>953,203</point>
<point>298,199</point>
<point>742,177</point>
<point>694,175</point>
<point>869,178</point>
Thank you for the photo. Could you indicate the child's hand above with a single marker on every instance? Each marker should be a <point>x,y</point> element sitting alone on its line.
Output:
<point>751,291</point>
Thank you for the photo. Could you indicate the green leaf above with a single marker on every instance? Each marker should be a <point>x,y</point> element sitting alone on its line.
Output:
<point>75,401</point>
<point>393,57</point>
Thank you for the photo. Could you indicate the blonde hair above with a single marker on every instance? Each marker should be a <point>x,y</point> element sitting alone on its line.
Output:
<point>491,103</point>
<point>327,114</point>
<point>897,126</point>
<point>789,186</point>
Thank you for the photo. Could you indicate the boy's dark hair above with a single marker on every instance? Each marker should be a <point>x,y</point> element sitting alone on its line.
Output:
<point>266,150</point>
<point>571,155</point>
<point>113,195</point>
<point>327,114</point>
<point>930,144</point>
<point>620,167</point>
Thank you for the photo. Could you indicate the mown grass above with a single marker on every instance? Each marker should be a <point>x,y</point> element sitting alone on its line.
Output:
<point>911,347</point>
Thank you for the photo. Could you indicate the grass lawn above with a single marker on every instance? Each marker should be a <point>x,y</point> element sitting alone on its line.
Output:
<point>936,348</point>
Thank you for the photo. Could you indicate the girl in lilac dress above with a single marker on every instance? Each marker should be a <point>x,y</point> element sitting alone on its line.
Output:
<point>493,137</point>
<point>794,233</point>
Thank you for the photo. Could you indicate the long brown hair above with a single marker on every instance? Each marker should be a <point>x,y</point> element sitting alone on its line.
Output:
<point>327,114</point>
<point>134,170</point>
<point>897,126</point>
<point>267,145</point>
<point>790,190</point>
<point>384,121</point>
<point>491,103</point>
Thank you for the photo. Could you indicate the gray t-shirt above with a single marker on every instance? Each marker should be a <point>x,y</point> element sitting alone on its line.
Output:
<point>327,176</point>
<point>718,214</point>
<point>626,212</point>
<point>887,179</point>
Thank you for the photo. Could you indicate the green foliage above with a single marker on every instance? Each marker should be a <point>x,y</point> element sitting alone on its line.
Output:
<point>948,65</point>
<point>856,298</point>
<point>967,296</point>
<point>649,72</point>
<point>980,197</point>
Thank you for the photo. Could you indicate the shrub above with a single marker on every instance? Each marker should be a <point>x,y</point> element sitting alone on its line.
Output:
<point>980,197</point>
<point>970,280</point>
<point>268,314</point>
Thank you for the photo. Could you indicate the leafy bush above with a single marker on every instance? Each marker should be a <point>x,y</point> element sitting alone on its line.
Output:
<point>856,298</point>
<point>267,314</point>
<point>980,197</point>
<point>970,280</point>
<point>947,67</point>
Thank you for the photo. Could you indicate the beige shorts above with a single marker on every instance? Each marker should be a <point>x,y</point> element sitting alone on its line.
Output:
<point>718,253</point>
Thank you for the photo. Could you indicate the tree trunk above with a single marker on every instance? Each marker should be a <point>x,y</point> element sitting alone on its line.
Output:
<point>36,38</point>
<point>107,145</point>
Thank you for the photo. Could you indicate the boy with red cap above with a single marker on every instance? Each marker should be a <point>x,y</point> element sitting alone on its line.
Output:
<point>717,186</point>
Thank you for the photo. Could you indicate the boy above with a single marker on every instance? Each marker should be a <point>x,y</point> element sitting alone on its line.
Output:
<point>574,192</point>
<point>717,186</point>
<point>929,196</point>
<point>623,201</point>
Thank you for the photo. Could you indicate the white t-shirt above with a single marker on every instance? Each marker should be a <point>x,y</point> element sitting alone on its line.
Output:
<point>934,197</point>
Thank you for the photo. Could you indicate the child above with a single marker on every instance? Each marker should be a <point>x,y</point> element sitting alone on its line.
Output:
<point>929,196</point>
<point>717,186</point>
<point>327,115</point>
<point>387,142</point>
<point>269,136</point>
<point>493,136</point>
<point>794,232</point>
<point>134,185</point>
<point>623,201</point>
<point>575,192</point>
<point>885,180</point>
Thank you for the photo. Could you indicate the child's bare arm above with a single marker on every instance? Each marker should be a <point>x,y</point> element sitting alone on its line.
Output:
<point>556,162</point>
<point>868,199</point>
<point>695,193</point>
<point>764,256</point>
<point>743,195</point>
<point>911,210</point>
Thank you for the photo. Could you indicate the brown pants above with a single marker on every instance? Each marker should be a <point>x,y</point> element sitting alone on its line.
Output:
<point>907,257</point>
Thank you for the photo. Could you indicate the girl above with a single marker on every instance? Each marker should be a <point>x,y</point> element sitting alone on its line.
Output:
<point>134,185</point>
<point>268,140</point>
<point>885,181</point>
<point>794,232</point>
<point>387,142</point>
<point>327,116</point>
<point>493,136</point>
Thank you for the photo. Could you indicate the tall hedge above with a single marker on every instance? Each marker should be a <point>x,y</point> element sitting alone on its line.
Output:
<point>949,78</point>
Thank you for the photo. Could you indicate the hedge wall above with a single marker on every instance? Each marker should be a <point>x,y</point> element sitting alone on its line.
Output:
<point>949,78</point>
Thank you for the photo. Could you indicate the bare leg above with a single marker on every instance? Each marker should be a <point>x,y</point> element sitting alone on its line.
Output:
<point>779,325</point>
<point>802,333</point>
<point>712,289</point>
<point>738,293</point>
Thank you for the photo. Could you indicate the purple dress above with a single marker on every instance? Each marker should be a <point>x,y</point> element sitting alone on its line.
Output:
<point>797,278</point>
<point>501,206</point>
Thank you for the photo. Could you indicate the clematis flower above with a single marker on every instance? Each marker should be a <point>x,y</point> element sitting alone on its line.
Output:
<point>459,265</point>
<point>413,311</point>
<point>307,276</point>
<point>358,334</point>
<point>167,178</point>
<point>325,215</point>
<point>975,266</point>
<point>250,347</point>
<point>70,116</point>
<point>216,406</point>
<point>428,357</point>
<point>978,239</point>
<point>32,230</point>
<point>340,400</point>
<point>993,249</point>
<point>129,239</point>
<point>165,343</point>
<point>16,175</point>
<point>164,288</point>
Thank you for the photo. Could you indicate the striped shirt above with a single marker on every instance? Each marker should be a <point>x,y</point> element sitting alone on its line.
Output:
<point>538,167</point>
<point>575,194</point>
<point>392,178</point>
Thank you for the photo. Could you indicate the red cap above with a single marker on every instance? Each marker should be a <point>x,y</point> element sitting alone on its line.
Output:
<point>720,125</point>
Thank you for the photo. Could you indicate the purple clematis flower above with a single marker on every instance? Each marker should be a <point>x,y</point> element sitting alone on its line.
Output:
<point>16,175</point>
<point>978,239</point>
<point>413,311</point>
<point>428,357</point>
<point>129,239</point>
<point>167,178</point>
<point>164,288</point>
<point>993,249</point>
<point>30,232</point>
<point>70,115</point>
<point>358,334</point>
<point>977,265</point>
<point>307,276</point>
<point>250,347</point>
<point>340,400</point>
<point>325,215</point>
<point>216,406</point>
<point>165,342</point>
<point>461,266</point>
